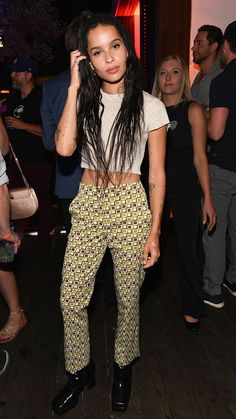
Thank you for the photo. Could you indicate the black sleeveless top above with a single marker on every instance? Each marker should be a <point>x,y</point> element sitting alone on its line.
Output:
<point>181,176</point>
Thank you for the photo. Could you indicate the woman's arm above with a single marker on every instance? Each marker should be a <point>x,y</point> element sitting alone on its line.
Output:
<point>217,122</point>
<point>4,141</point>
<point>198,124</point>
<point>12,122</point>
<point>66,133</point>
<point>157,184</point>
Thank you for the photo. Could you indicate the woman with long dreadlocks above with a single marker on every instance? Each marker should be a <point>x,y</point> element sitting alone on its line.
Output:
<point>109,118</point>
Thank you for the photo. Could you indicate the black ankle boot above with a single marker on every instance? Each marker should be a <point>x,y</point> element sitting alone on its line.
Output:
<point>69,395</point>
<point>121,389</point>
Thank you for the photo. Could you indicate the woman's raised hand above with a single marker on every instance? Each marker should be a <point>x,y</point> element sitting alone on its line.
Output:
<point>75,58</point>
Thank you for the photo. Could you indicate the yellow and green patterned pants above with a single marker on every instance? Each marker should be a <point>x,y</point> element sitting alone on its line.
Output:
<point>117,217</point>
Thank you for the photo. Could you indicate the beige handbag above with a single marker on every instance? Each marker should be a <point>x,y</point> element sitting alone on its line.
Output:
<point>23,200</point>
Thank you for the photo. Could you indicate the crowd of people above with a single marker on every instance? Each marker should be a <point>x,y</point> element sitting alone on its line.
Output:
<point>98,122</point>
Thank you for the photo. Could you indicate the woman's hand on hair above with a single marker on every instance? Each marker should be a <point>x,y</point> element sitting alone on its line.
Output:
<point>75,58</point>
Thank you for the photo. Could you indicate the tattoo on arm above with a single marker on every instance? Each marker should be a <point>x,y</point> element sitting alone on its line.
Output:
<point>160,211</point>
<point>57,133</point>
<point>151,186</point>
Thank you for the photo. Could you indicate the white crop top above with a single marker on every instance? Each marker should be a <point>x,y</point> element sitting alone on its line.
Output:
<point>155,116</point>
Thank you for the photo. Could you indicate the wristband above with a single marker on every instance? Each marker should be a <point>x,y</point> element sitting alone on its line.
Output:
<point>6,236</point>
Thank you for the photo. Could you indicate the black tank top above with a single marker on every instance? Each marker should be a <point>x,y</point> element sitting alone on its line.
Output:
<point>181,176</point>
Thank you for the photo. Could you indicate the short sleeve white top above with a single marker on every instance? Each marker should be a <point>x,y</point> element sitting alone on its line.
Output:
<point>155,116</point>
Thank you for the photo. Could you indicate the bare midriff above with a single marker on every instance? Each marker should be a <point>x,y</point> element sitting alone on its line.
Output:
<point>91,177</point>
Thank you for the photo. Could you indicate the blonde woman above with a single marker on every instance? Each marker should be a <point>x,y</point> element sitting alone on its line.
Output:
<point>187,176</point>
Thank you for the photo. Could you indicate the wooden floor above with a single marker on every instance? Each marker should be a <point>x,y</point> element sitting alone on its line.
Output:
<point>180,375</point>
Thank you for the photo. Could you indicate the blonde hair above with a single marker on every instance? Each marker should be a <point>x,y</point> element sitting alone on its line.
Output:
<point>185,93</point>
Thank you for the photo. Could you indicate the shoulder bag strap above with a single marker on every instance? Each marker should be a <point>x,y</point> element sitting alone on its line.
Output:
<point>18,165</point>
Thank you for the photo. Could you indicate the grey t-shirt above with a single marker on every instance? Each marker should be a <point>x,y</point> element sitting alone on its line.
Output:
<point>201,85</point>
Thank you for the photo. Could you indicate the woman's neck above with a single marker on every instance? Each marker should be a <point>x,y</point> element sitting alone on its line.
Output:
<point>170,100</point>
<point>113,88</point>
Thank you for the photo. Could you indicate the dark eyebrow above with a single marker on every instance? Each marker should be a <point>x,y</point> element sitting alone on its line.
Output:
<point>99,47</point>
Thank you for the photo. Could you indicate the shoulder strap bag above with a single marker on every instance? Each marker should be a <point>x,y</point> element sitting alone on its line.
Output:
<point>23,200</point>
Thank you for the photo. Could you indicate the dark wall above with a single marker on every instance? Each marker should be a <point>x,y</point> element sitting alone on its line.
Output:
<point>173,34</point>
<point>165,30</point>
<point>69,8</point>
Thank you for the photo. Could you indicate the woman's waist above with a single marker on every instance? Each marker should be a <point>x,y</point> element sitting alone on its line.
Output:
<point>93,177</point>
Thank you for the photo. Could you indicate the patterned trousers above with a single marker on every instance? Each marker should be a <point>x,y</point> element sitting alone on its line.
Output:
<point>117,217</point>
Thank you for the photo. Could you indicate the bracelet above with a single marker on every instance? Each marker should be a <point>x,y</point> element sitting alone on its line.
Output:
<point>6,236</point>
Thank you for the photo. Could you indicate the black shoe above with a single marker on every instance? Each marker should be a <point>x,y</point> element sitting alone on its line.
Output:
<point>215,301</point>
<point>231,287</point>
<point>69,395</point>
<point>121,389</point>
<point>192,326</point>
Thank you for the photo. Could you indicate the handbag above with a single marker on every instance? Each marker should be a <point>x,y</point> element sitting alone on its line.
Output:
<point>23,200</point>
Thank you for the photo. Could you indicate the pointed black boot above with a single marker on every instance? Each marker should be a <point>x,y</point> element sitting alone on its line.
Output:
<point>69,395</point>
<point>121,389</point>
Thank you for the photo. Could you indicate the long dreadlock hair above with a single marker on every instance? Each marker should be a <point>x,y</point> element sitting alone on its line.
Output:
<point>125,132</point>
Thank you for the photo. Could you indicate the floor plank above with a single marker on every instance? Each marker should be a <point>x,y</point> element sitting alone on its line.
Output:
<point>180,375</point>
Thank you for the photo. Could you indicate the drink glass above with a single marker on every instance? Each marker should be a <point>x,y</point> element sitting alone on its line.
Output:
<point>6,251</point>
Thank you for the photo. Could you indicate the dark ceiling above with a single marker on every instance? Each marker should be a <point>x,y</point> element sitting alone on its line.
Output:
<point>69,8</point>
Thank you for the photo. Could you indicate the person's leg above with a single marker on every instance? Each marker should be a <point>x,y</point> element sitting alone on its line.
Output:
<point>130,219</point>
<point>186,219</point>
<point>214,242</point>
<point>9,291</point>
<point>105,278</point>
<point>129,233</point>
<point>230,281</point>
<point>85,249</point>
<point>16,319</point>
<point>65,205</point>
<point>166,226</point>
